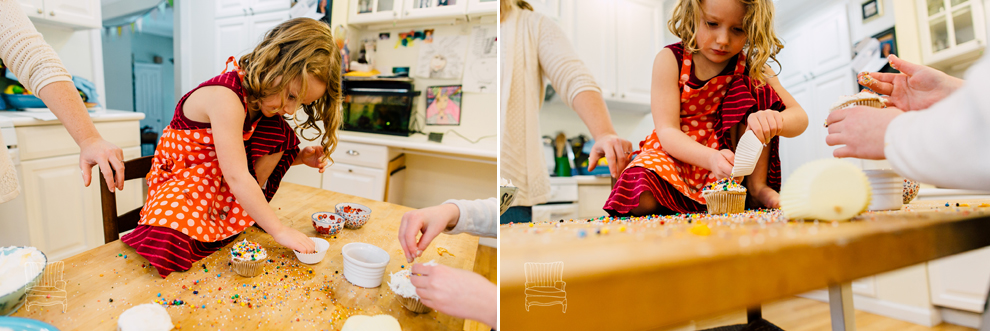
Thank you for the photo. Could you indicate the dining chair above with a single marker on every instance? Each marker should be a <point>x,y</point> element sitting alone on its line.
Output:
<point>114,224</point>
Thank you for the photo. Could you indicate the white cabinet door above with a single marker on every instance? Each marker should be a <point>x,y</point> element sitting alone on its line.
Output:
<point>226,8</point>
<point>355,180</point>
<point>828,41</point>
<point>370,11</point>
<point>638,34</point>
<point>827,89</point>
<point>798,150</point>
<point>230,40</point>
<point>594,20</point>
<point>82,13</point>
<point>434,8</point>
<point>264,6</point>
<point>794,59</point>
<point>33,8</point>
<point>260,25</point>
<point>481,7</point>
<point>961,281</point>
<point>56,209</point>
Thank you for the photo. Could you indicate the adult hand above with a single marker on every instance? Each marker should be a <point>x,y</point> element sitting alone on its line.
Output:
<point>100,152</point>
<point>861,129</point>
<point>765,124</point>
<point>313,156</point>
<point>293,239</point>
<point>615,150</point>
<point>916,87</point>
<point>430,221</point>
<point>720,163</point>
<point>456,292</point>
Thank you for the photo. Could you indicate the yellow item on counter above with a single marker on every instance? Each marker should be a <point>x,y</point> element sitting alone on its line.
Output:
<point>363,73</point>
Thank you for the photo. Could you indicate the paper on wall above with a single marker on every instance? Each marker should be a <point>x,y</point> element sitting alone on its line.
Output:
<point>443,58</point>
<point>479,75</point>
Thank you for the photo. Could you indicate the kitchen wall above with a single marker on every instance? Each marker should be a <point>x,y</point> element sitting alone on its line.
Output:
<point>77,50</point>
<point>118,70</point>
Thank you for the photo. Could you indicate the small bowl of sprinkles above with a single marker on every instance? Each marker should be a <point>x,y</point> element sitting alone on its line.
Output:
<point>355,215</point>
<point>247,258</point>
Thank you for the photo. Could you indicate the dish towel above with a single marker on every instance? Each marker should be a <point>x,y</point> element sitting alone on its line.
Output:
<point>9,188</point>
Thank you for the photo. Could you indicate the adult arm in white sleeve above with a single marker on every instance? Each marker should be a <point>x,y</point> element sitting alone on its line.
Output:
<point>478,217</point>
<point>948,144</point>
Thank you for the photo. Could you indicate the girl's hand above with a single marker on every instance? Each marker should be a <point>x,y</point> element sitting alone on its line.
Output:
<point>430,221</point>
<point>917,87</point>
<point>313,156</point>
<point>720,163</point>
<point>765,124</point>
<point>456,292</point>
<point>294,239</point>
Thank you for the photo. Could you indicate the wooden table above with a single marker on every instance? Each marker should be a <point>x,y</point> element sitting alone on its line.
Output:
<point>644,274</point>
<point>290,296</point>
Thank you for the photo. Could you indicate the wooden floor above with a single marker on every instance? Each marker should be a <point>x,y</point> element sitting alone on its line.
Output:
<point>800,314</point>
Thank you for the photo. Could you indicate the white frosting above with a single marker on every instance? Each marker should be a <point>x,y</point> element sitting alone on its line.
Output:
<point>5,329</point>
<point>863,95</point>
<point>146,317</point>
<point>402,285</point>
<point>13,268</point>
<point>504,182</point>
<point>371,323</point>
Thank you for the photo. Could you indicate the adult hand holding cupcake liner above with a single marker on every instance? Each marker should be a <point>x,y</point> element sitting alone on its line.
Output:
<point>430,222</point>
<point>456,292</point>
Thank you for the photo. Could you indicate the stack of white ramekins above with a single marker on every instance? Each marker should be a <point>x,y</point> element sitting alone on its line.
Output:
<point>364,264</point>
<point>888,189</point>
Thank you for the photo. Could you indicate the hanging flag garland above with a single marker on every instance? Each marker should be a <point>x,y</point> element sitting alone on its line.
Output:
<point>136,22</point>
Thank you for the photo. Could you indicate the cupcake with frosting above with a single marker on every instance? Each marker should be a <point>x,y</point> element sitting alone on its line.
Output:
<point>405,291</point>
<point>247,258</point>
<point>864,98</point>
<point>724,196</point>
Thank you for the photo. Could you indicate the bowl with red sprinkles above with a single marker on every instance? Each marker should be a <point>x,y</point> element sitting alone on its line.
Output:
<point>355,215</point>
<point>327,223</point>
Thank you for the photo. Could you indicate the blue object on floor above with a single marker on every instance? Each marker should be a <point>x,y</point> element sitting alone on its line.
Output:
<point>25,324</point>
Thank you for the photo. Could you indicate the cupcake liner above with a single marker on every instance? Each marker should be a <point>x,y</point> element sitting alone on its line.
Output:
<point>747,154</point>
<point>247,268</point>
<point>725,202</point>
<point>828,190</point>
<point>413,304</point>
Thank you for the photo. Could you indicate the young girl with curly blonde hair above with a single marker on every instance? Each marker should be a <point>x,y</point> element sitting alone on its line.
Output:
<point>703,87</point>
<point>222,157</point>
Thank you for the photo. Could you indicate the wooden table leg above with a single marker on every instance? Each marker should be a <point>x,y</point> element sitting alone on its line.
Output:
<point>754,314</point>
<point>840,302</point>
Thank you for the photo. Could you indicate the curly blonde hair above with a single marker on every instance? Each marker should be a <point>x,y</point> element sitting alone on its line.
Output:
<point>762,43</point>
<point>298,48</point>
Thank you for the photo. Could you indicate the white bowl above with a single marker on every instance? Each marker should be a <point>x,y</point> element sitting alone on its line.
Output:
<point>322,245</point>
<point>11,301</point>
<point>364,264</point>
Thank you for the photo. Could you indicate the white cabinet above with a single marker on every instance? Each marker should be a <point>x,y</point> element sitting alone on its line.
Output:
<point>961,281</point>
<point>951,31</point>
<point>415,9</point>
<point>356,180</point>
<point>369,11</point>
<point>226,8</point>
<point>815,96</point>
<point>480,7</point>
<point>618,41</point>
<point>815,48</point>
<point>77,14</point>
<point>238,35</point>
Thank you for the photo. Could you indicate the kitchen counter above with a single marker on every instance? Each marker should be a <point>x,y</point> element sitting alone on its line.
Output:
<point>32,118</point>
<point>452,144</point>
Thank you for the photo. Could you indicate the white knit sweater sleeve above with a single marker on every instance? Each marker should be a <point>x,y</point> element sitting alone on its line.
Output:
<point>478,217</point>
<point>25,52</point>
<point>948,144</point>
<point>567,73</point>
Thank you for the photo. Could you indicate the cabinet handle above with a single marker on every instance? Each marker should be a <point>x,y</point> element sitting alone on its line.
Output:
<point>406,13</point>
<point>395,14</point>
<point>613,94</point>
<point>623,95</point>
<point>40,11</point>
<point>352,152</point>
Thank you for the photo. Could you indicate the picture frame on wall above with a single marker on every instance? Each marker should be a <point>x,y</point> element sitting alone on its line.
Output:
<point>888,46</point>
<point>871,9</point>
<point>443,105</point>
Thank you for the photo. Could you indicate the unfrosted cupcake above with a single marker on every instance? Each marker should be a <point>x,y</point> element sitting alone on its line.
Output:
<point>405,292</point>
<point>864,98</point>
<point>724,197</point>
<point>247,258</point>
